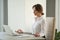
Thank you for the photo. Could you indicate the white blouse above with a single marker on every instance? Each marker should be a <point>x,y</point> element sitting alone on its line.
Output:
<point>39,25</point>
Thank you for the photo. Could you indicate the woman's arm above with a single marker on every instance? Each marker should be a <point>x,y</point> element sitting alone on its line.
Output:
<point>42,33</point>
<point>37,29</point>
<point>40,28</point>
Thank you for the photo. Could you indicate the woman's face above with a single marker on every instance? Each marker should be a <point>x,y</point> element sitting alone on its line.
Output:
<point>36,13</point>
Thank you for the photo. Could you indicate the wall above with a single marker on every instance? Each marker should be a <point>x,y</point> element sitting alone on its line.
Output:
<point>57,10</point>
<point>59,15</point>
<point>50,8</point>
<point>1,14</point>
<point>16,14</point>
<point>5,6</point>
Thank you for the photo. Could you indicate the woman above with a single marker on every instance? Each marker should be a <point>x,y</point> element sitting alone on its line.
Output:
<point>38,26</point>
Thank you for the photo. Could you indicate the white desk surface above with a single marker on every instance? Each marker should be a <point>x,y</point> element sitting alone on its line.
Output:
<point>5,36</point>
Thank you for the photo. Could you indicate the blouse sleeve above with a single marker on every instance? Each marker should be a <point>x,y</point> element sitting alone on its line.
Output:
<point>42,32</point>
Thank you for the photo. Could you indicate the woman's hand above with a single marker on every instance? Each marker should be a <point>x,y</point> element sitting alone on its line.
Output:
<point>37,34</point>
<point>19,31</point>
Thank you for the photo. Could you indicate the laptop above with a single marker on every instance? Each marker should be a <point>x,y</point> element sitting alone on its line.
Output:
<point>10,32</point>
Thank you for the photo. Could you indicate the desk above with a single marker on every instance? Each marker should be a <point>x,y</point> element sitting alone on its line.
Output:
<point>5,36</point>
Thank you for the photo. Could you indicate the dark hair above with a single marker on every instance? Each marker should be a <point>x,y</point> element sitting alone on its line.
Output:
<point>38,8</point>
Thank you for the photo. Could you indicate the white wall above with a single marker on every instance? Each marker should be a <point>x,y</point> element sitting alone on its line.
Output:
<point>57,14</point>
<point>16,14</point>
<point>20,13</point>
